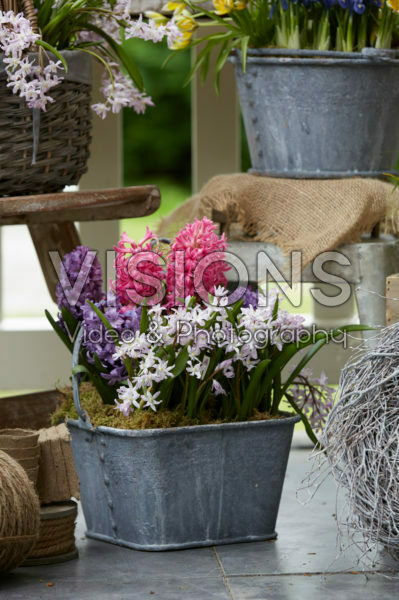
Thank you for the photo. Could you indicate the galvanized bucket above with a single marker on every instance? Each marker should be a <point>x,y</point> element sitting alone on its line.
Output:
<point>314,114</point>
<point>164,489</point>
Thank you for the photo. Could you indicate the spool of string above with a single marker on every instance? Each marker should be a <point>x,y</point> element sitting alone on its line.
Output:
<point>19,514</point>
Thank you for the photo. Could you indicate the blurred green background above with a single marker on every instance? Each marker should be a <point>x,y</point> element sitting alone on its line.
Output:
<point>157,145</point>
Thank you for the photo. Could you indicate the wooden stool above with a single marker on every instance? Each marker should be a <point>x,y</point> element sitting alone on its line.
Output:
<point>50,217</point>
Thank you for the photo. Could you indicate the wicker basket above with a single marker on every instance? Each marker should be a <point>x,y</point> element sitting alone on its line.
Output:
<point>64,133</point>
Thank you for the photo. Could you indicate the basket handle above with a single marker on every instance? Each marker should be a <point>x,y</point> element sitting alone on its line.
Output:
<point>25,6</point>
<point>83,416</point>
<point>29,12</point>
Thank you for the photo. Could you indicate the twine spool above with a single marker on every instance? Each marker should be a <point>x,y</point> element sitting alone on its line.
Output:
<point>19,514</point>
<point>23,446</point>
<point>57,534</point>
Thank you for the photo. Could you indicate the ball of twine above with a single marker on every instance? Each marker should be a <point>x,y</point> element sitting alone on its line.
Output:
<point>361,439</point>
<point>19,514</point>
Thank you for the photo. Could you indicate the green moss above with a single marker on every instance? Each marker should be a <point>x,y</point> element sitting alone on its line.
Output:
<point>106,415</point>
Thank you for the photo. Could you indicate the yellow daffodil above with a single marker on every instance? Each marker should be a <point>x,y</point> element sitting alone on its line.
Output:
<point>223,7</point>
<point>185,22</point>
<point>241,4</point>
<point>394,4</point>
<point>156,17</point>
<point>176,7</point>
<point>183,41</point>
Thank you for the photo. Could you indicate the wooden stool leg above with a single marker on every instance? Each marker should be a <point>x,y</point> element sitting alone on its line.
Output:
<point>48,237</point>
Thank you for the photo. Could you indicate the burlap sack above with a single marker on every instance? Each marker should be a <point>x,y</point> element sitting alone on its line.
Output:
<point>57,479</point>
<point>311,216</point>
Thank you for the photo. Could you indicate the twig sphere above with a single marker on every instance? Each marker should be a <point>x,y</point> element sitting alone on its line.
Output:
<point>361,439</point>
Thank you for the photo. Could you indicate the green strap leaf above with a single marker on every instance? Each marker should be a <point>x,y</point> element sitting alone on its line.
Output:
<point>64,13</point>
<point>180,362</point>
<point>70,321</point>
<point>101,316</point>
<point>304,420</point>
<point>203,55</point>
<point>302,363</point>
<point>54,51</point>
<point>290,350</point>
<point>220,62</point>
<point>169,58</point>
<point>106,391</point>
<point>60,332</point>
<point>80,369</point>
<point>100,59</point>
<point>205,68</point>
<point>253,389</point>
<point>244,51</point>
<point>275,309</point>
<point>144,320</point>
<point>97,362</point>
<point>227,23</point>
<point>123,56</point>
<point>44,13</point>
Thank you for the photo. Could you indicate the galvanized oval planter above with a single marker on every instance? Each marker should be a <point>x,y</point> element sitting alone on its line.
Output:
<point>164,489</point>
<point>314,114</point>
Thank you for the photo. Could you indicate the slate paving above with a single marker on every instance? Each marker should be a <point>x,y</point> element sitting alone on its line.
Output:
<point>302,564</point>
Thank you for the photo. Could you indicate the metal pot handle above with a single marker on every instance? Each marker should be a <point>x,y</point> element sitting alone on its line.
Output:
<point>83,416</point>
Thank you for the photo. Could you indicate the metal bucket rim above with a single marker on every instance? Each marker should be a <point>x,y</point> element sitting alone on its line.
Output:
<point>368,56</point>
<point>288,420</point>
<point>318,174</point>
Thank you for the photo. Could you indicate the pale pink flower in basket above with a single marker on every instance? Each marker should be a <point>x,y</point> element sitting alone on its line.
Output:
<point>196,262</point>
<point>139,271</point>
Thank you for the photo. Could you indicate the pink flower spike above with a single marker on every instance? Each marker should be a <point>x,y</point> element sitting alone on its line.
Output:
<point>140,287</point>
<point>198,242</point>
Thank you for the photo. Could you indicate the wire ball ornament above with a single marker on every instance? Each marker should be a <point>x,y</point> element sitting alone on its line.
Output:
<point>361,442</point>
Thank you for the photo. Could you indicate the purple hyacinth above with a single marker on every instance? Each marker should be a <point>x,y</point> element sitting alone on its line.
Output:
<point>248,295</point>
<point>99,341</point>
<point>250,298</point>
<point>80,280</point>
<point>314,397</point>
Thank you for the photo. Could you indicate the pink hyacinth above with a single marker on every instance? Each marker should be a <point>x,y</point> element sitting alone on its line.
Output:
<point>134,282</point>
<point>193,256</point>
